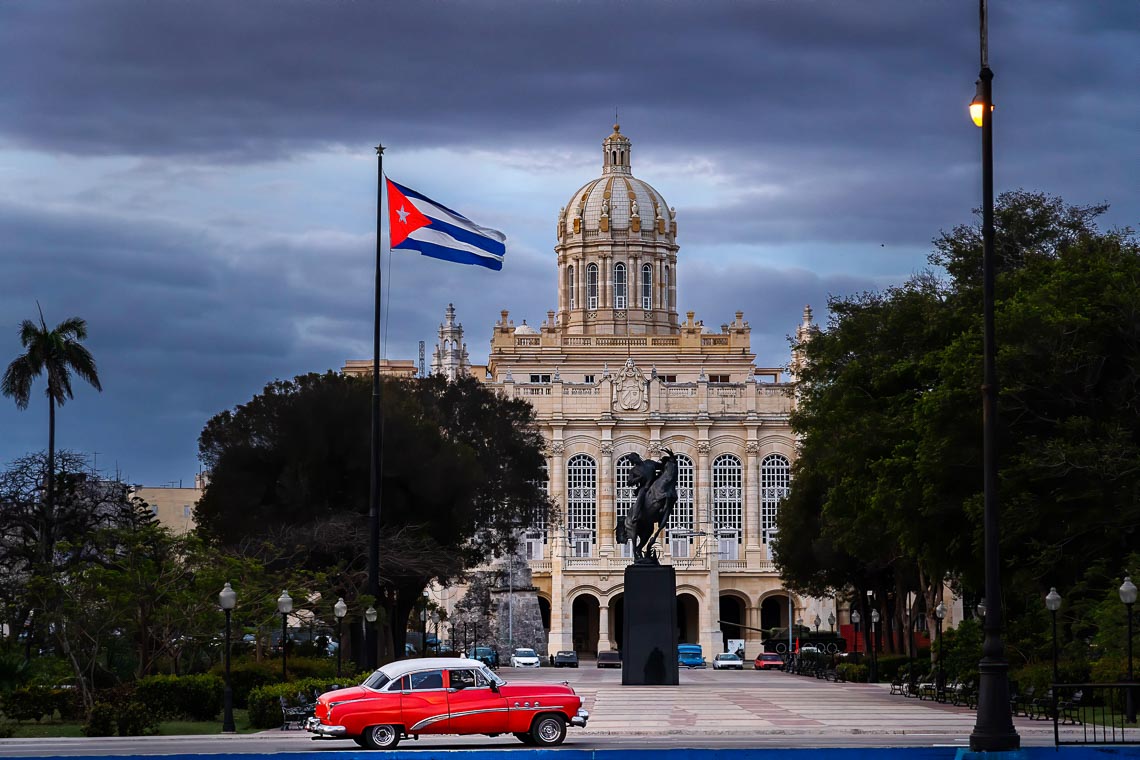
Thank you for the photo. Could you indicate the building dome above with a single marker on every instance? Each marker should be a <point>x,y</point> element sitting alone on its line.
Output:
<point>525,329</point>
<point>616,204</point>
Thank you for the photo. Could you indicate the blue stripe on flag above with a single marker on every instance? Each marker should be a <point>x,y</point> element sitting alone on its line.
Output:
<point>449,254</point>
<point>413,194</point>
<point>488,244</point>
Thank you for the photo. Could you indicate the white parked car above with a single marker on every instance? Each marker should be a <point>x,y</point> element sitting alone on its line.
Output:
<point>525,658</point>
<point>727,661</point>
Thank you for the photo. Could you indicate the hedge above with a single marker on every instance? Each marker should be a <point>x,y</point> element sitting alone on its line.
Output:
<point>36,702</point>
<point>849,671</point>
<point>193,697</point>
<point>247,674</point>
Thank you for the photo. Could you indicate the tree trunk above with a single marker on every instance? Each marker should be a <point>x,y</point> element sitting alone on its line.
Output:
<point>48,514</point>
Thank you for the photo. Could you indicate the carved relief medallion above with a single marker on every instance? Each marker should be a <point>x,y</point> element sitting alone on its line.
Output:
<point>629,388</point>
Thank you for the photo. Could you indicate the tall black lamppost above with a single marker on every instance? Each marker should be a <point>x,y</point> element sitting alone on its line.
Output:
<point>284,606</point>
<point>340,609</point>
<point>993,731</point>
<point>227,599</point>
<point>370,635</point>
<point>435,624</point>
<point>1128,596</point>
<point>981,610</point>
<point>1053,603</point>
<point>817,621</point>
<point>856,618</point>
<point>831,620</point>
<point>939,615</point>
<point>875,618</point>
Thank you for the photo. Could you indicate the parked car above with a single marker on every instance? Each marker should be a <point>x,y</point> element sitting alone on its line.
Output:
<point>769,661</point>
<point>445,695</point>
<point>690,656</point>
<point>610,658</point>
<point>727,661</point>
<point>566,659</point>
<point>487,655</point>
<point>525,658</point>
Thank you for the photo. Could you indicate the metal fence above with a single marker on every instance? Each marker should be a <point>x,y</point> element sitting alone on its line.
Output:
<point>1094,713</point>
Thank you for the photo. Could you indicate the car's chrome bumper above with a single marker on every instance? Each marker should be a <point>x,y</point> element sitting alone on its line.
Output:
<point>314,725</point>
<point>581,718</point>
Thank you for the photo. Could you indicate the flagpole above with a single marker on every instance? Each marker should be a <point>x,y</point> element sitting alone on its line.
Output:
<point>371,641</point>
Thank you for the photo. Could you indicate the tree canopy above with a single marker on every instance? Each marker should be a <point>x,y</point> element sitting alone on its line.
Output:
<point>887,490</point>
<point>461,472</point>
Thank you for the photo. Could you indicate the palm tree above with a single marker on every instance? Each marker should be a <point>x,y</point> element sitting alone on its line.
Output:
<point>58,353</point>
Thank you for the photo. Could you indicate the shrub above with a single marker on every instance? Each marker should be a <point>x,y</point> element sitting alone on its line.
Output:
<point>194,697</point>
<point>135,719</point>
<point>311,667</point>
<point>7,729</point>
<point>265,701</point>
<point>100,721</point>
<point>246,675</point>
<point>36,702</point>
<point>1039,675</point>
<point>891,664</point>
<point>849,671</point>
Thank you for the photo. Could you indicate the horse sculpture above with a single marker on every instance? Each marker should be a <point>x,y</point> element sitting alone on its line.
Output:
<point>656,498</point>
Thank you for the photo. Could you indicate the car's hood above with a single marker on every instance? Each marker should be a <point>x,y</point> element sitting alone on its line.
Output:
<point>519,658</point>
<point>347,695</point>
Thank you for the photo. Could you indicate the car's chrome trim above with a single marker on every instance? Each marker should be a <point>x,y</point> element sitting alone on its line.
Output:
<point>581,718</point>
<point>428,721</point>
<point>314,725</point>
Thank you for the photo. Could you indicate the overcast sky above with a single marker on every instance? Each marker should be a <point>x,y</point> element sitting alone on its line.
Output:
<point>197,179</point>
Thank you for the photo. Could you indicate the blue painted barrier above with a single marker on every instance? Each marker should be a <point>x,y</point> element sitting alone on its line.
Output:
<point>524,753</point>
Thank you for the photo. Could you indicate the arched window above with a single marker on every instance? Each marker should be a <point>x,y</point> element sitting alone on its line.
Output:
<point>728,512</point>
<point>619,285</point>
<point>624,497</point>
<point>681,521</point>
<point>775,480</point>
<point>647,287</point>
<point>668,299</point>
<point>592,287</point>
<point>570,286</point>
<point>582,504</point>
<point>615,158</point>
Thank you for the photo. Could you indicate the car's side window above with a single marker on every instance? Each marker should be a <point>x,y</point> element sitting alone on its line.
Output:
<point>400,684</point>
<point>427,679</point>
<point>466,679</point>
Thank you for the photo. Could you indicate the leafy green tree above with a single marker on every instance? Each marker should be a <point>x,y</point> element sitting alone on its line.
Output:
<point>887,491</point>
<point>58,354</point>
<point>460,469</point>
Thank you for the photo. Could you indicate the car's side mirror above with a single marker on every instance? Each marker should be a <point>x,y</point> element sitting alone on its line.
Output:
<point>494,687</point>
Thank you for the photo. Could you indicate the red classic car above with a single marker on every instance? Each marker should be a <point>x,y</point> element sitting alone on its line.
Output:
<point>445,696</point>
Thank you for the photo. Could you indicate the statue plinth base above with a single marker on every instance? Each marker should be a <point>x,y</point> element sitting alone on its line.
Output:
<point>649,626</point>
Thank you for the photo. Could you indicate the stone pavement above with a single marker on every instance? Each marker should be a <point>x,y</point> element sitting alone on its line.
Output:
<point>771,702</point>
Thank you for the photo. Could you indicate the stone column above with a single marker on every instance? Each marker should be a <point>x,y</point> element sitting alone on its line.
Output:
<point>711,639</point>
<point>560,628</point>
<point>752,493</point>
<point>604,642</point>
<point>606,491</point>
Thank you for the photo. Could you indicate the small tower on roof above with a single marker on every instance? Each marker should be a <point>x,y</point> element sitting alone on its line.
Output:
<point>450,355</point>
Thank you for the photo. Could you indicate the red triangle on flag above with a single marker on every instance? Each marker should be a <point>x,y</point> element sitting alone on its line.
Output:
<point>403,217</point>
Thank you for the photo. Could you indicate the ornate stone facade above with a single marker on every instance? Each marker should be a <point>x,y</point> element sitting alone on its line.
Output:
<point>677,385</point>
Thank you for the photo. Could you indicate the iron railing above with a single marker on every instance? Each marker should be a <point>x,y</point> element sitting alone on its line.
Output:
<point>1093,713</point>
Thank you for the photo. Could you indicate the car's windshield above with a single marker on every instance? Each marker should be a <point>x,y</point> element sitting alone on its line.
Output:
<point>729,657</point>
<point>525,653</point>
<point>492,676</point>
<point>376,680</point>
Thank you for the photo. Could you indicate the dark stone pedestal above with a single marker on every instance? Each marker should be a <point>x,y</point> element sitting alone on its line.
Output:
<point>649,629</point>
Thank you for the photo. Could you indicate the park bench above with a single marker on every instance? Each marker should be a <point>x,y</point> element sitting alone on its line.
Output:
<point>928,687</point>
<point>1070,709</point>
<point>898,684</point>
<point>294,717</point>
<point>1021,703</point>
<point>1042,707</point>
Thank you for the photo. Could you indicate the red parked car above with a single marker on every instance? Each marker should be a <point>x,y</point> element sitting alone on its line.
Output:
<point>768,661</point>
<point>445,696</point>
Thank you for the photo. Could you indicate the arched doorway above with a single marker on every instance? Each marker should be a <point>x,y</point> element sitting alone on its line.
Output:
<point>731,619</point>
<point>584,624</point>
<point>688,620</point>
<point>617,618</point>
<point>774,612</point>
<point>544,612</point>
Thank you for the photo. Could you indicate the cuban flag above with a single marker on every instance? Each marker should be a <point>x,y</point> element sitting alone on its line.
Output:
<point>417,223</point>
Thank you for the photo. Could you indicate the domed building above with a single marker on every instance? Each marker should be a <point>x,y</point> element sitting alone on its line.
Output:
<point>614,371</point>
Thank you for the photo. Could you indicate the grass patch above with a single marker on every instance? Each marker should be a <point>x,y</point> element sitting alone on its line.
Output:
<point>61,730</point>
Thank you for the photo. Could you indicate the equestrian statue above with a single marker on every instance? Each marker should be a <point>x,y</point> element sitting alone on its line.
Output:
<point>656,484</point>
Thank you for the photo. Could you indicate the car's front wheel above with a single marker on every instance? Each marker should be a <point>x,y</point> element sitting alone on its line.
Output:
<point>549,730</point>
<point>381,737</point>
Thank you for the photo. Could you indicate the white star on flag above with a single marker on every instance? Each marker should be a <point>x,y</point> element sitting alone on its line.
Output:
<point>403,215</point>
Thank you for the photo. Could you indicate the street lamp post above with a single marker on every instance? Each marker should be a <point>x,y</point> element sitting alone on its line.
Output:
<point>1053,603</point>
<point>831,620</point>
<point>981,609</point>
<point>856,618</point>
<point>227,599</point>
<point>817,621</point>
<point>284,606</point>
<point>875,618</point>
<point>939,615</point>
<point>993,731</point>
<point>370,634</point>
<point>435,625</point>
<point>1128,596</point>
<point>340,609</point>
